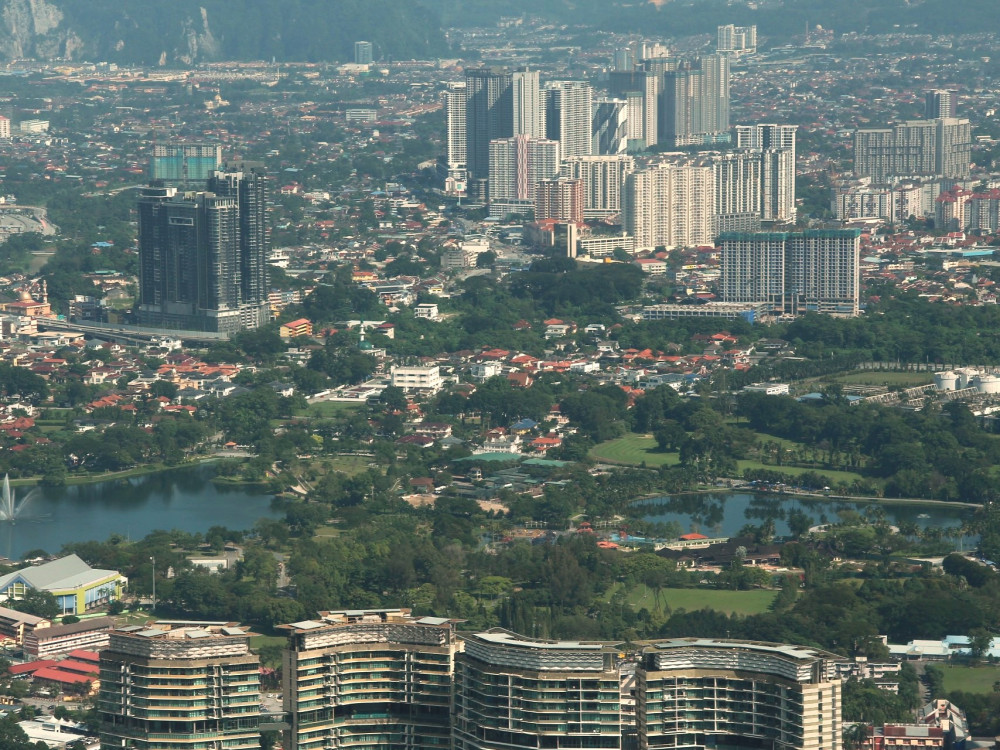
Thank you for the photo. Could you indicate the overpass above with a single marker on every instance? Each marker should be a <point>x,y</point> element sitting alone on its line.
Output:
<point>123,333</point>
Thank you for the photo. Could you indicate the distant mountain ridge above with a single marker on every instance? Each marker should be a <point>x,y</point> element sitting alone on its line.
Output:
<point>776,19</point>
<point>191,31</point>
<point>182,32</point>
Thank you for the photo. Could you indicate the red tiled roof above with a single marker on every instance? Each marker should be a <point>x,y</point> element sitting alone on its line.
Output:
<point>78,667</point>
<point>30,667</point>
<point>57,675</point>
<point>81,654</point>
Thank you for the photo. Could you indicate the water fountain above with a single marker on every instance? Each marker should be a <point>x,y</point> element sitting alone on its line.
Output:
<point>10,509</point>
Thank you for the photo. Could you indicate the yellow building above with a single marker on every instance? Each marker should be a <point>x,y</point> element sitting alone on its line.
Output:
<point>77,587</point>
<point>296,328</point>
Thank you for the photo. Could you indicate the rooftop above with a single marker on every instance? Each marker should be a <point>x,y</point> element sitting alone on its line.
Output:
<point>178,629</point>
<point>502,637</point>
<point>68,572</point>
<point>798,653</point>
<point>355,616</point>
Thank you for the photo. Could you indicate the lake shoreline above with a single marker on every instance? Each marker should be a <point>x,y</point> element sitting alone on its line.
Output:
<point>73,480</point>
<point>133,504</point>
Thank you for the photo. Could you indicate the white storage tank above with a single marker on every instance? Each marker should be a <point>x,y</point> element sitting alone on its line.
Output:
<point>987,383</point>
<point>965,376</point>
<point>945,381</point>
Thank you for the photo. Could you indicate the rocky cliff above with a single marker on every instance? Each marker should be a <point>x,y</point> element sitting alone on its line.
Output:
<point>190,31</point>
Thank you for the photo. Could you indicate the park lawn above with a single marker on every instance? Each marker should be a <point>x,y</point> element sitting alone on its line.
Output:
<point>788,445</point>
<point>751,602</point>
<point>634,449</point>
<point>835,475</point>
<point>351,465</point>
<point>326,532</point>
<point>970,679</point>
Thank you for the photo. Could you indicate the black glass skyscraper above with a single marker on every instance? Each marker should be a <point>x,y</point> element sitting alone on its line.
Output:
<point>489,115</point>
<point>203,255</point>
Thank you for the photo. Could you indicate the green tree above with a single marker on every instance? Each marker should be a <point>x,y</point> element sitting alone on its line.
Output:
<point>37,602</point>
<point>980,640</point>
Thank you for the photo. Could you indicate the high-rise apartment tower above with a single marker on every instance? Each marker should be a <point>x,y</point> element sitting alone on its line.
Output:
<point>603,178</point>
<point>695,106</point>
<point>369,678</point>
<point>517,692</point>
<point>940,103</point>
<point>775,145</point>
<point>794,272</point>
<point>699,693</point>
<point>455,158</point>
<point>670,205</point>
<point>569,116</point>
<point>489,115</point>
<point>176,685</point>
<point>363,53</point>
<point>518,164</point>
<point>941,147</point>
<point>736,41</point>
<point>528,104</point>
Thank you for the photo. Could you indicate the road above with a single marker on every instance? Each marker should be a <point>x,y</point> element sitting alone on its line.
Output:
<point>283,579</point>
<point>17,219</point>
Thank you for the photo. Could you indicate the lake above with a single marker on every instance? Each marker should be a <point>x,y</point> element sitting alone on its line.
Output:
<point>724,514</point>
<point>183,498</point>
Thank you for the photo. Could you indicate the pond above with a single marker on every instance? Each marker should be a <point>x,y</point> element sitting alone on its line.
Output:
<point>184,498</point>
<point>724,514</point>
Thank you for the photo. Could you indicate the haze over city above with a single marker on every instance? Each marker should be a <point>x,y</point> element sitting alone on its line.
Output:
<point>493,375</point>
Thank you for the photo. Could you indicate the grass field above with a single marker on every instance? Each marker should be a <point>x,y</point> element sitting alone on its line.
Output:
<point>788,445</point>
<point>326,532</point>
<point>874,377</point>
<point>970,679</point>
<point>740,602</point>
<point>350,465</point>
<point>633,449</point>
<point>834,474</point>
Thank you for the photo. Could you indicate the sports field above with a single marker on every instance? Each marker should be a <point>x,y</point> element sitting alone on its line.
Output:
<point>741,602</point>
<point>636,449</point>
<point>835,475</point>
<point>970,679</point>
<point>633,449</point>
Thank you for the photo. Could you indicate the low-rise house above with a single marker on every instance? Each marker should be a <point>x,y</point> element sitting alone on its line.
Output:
<point>428,311</point>
<point>295,328</point>
<point>485,370</point>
